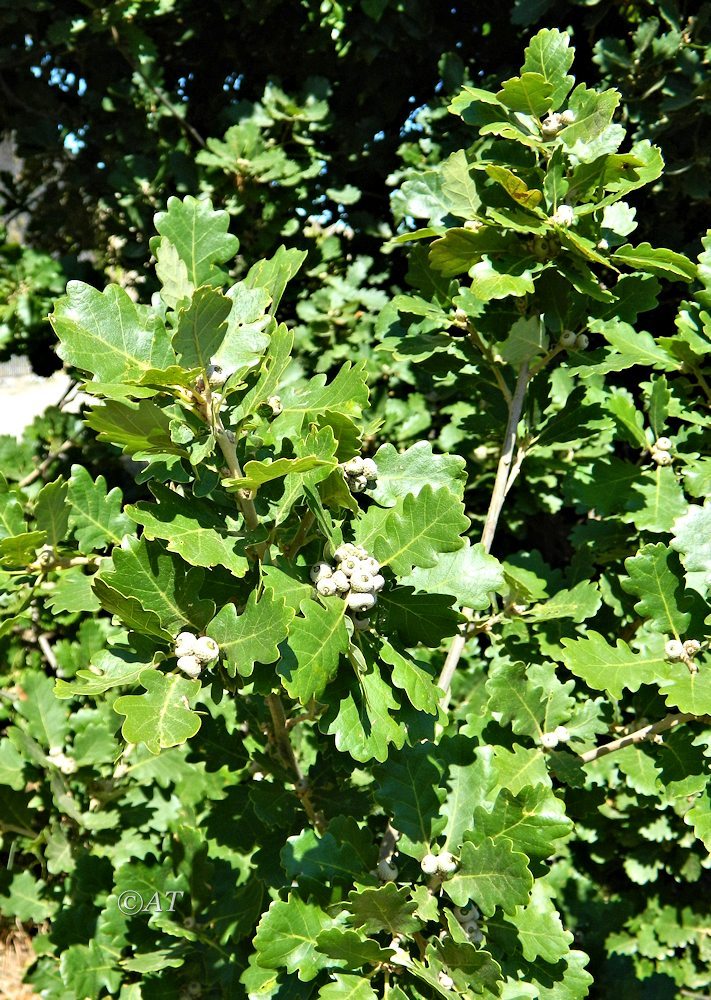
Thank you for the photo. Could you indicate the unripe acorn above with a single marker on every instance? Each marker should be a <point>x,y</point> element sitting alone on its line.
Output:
<point>361,602</point>
<point>320,570</point>
<point>361,583</point>
<point>378,583</point>
<point>567,117</point>
<point>465,914</point>
<point>567,339</point>
<point>190,665</point>
<point>563,216</point>
<point>326,587</point>
<point>663,444</point>
<point>370,469</point>
<point>550,126</point>
<point>674,650</point>
<point>549,741</point>
<point>185,644</point>
<point>206,649</point>
<point>562,733</point>
<point>661,457</point>
<point>387,871</point>
<point>692,647</point>
<point>430,864</point>
<point>445,981</point>
<point>473,933</point>
<point>581,342</point>
<point>341,581</point>
<point>354,466</point>
<point>447,864</point>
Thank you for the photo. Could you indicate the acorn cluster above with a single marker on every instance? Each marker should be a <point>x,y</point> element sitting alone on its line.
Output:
<point>195,652</point>
<point>444,864</point>
<point>468,919</point>
<point>558,735</point>
<point>355,576</point>
<point>574,341</point>
<point>553,123</point>
<point>677,651</point>
<point>359,473</point>
<point>661,451</point>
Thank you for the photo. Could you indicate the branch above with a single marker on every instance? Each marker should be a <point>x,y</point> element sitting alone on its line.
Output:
<point>496,503</point>
<point>639,736</point>
<point>288,757</point>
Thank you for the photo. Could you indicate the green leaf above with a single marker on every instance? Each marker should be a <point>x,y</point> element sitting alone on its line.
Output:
<point>400,473</point>
<point>137,428</point>
<point>458,188</point>
<point>25,901</point>
<point>197,531</point>
<point>611,668</point>
<point>593,113</point>
<point>408,789</point>
<point>415,531</point>
<point>316,641</point>
<point>455,253</point>
<point>534,820</point>
<point>95,514</point>
<point>507,278</point>
<point>52,511</point>
<point>413,678</point>
<point>351,949</point>
<point>89,969</point>
<point>385,909</point>
<point>549,53</point>
<point>161,717</point>
<point>517,700</point>
<point>469,574</point>
<point>654,576</point>
<point>259,473</point>
<point>526,339</point>
<point>201,328</point>
<point>418,618</point>
<point>159,581</point>
<point>692,539</point>
<point>518,191</point>
<point>656,260</point>
<point>200,236</point>
<point>530,93</point>
<point>172,273</point>
<point>116,666</point>
<point>11,766</point>
<point>347,987</point>
<point>72,592</point>
<point>275,273</point>
<point>580,603</point>
<point>109,335</point>
<point>254,635</point>
<point>286,937</point>
<point>657,500</point>
<point>492,875</point>
<point>47,719</point>
<point>12,516</point>
<point>359,716</point>
<point>20,550</point>
<point>539,928</point>
<point>687,691</point>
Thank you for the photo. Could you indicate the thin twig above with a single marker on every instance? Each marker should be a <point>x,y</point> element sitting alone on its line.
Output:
<point>48,652</point>
<point>288,758</point>
<point>184,124</point>
<point>45,464</point>
<point>639,736</point>
<point>498,495</point>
